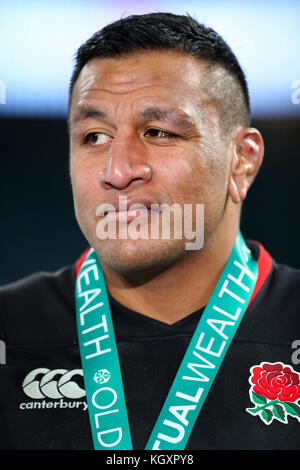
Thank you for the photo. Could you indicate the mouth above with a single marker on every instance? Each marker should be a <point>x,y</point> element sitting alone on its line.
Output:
<point>125,210</point>
<point>127,215</point>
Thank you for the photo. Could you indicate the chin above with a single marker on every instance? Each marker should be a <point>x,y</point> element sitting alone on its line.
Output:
<point>130,256</point>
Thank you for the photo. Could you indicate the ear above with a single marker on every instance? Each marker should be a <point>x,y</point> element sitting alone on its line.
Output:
<point>247,151</point>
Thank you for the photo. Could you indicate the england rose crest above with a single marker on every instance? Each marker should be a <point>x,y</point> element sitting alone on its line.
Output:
<point>275,390</point>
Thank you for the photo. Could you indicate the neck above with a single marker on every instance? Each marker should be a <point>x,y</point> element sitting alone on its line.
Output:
<point>183,287</point>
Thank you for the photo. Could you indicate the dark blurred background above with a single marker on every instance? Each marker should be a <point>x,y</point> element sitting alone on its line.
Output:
<point>38,226</point>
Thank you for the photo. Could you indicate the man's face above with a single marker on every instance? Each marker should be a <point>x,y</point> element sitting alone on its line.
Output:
<point>142,127</point>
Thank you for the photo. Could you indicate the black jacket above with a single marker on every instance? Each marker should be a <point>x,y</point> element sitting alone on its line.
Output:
<point>42,397</point>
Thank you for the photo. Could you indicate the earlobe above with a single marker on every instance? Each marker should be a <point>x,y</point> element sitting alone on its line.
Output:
<point>233,188</point>
<point>233,191</point>
<point>246,158</point>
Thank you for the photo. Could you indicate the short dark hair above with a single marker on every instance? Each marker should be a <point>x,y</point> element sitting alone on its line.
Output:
<point>225,81</point>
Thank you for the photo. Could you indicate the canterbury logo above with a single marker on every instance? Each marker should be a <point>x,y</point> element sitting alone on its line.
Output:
<point>58,383</point>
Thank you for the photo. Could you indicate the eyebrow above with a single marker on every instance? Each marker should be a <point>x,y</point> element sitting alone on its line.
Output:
<point>86,112</point>
<point>171,115</point>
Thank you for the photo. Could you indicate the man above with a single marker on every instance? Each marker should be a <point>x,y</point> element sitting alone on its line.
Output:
<point>159,118</point>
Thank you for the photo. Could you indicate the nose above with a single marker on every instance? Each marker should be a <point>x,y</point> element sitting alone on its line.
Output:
<point>125,163</point>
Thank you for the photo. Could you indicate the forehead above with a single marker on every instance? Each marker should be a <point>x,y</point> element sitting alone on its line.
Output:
<point>156,76</point>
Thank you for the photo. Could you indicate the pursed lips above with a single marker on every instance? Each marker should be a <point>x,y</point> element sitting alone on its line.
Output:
<point>124,210</point>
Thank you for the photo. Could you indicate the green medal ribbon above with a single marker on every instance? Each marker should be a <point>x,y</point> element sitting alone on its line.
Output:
<point>205,353</point>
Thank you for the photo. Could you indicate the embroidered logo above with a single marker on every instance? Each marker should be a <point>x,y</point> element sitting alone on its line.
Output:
<point>58,388</point>
<point>102,376</point>
<point>58,383</point>
<point>275,390</point>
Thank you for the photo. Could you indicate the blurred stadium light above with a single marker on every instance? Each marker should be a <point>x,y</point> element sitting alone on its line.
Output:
<point>38,40</point>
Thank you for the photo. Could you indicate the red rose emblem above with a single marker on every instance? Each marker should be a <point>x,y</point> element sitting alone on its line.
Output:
<point>276,381</point>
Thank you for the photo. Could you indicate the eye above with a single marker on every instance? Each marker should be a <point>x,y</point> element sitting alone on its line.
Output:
<point>164,135</point>
<point>96,138</point>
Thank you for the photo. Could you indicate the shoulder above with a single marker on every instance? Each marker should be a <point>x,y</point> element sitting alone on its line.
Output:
<point>279,281</point>
<point>274,312</point>
<point>35,302</point>
<point>285,279</point>
<point>282,293</point>
<point>39,285</point>
<point>279,278</point>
